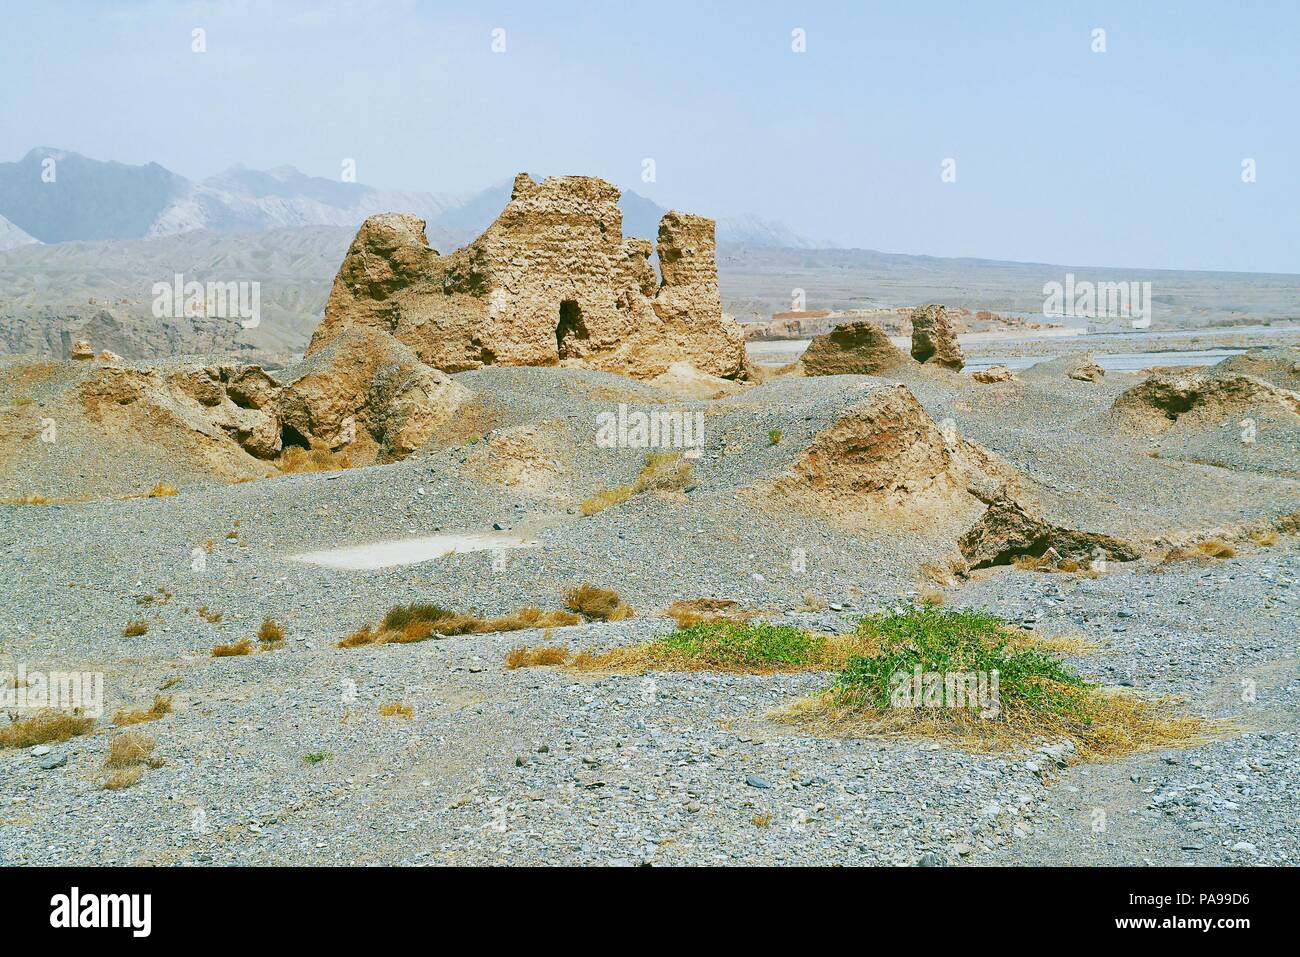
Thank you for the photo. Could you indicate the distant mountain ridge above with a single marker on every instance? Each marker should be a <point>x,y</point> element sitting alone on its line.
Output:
<point>91,199</point>
<point>11,237</point>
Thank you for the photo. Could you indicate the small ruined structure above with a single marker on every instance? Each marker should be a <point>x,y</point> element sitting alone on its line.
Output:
<point>852,348</point>
<point>1202,399</point>
<point>551,282</point>
<point>884,457</point>
<point>933,338</point>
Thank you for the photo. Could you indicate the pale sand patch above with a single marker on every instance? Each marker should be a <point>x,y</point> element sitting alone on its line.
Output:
<point>408,551</point>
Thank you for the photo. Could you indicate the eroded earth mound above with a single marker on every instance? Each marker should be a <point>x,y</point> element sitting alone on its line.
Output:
<point>852,348</point>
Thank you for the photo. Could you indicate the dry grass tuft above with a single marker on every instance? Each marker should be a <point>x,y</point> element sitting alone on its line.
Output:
<point>241,647</point>
<point>597,604</point>
<point>662,471</point>
<point>761,820</point>
<point>1209,549</point>
<point>523,657</point>
<point>692,611</point>
<point>129,749</point>
<point>161,490</point>
<point>605,498</point>
<point>270,632</point>
<point>810,602</point>
<point>161,706</point>
<point>1216,549</point>
<point>27,500</point>
<point>135,629</point>
<point>397,709</point>
<point>44,727</point>
<point>295,459</point>
<point>1263,537</point>
<point>123,779</point>
<point>1102,724</point>
<point>404,624</point>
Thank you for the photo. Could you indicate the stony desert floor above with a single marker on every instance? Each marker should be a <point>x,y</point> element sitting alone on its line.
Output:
<point>281,757</point>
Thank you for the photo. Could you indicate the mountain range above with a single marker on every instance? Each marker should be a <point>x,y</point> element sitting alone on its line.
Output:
<point>54,196</point>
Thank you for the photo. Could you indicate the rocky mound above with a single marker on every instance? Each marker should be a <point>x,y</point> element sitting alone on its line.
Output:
<point>1008,529</point>
<point>994,374</point>
<point>934,339</point>
<point>853,348</point>
<point>552,281</point>
<point>1201,399</point>
<point>884,456</point>
<point>1084,369</point>
<point>87,429</point>
<point>368,394</point>
<point>1279,366</point>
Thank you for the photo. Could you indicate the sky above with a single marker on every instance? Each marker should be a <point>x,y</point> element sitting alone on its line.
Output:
<point>1131,157</point>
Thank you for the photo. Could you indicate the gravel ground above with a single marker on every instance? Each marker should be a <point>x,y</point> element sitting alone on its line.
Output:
<point>545,766</point>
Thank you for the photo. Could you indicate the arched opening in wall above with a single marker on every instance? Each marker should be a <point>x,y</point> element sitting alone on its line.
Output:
<point>292,438</point>
<point>570,332</point>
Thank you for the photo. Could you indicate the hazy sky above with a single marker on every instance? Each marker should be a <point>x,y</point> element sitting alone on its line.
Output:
<point>1131,157</point>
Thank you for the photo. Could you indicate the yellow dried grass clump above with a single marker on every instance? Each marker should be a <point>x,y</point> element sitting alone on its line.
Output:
<point>161,706</point>
<point>270,632</point>
<point>597,604</point>
<point>1209,549</point>
<point>128,755</point>
<point>123,779</point>
<point>524,657</point>
<point>296,459</point>
<point>44,727</point>
<point>397,709</point>
<point>241,647</point>
<point>134,629</point>
<point>662,471</point>
<point>605,498</point>
<point>404,624</point>
<point>692,611</point>
<point>129,749</point>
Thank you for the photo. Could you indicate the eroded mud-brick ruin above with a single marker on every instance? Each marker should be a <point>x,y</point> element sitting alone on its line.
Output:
<point>553,281</point>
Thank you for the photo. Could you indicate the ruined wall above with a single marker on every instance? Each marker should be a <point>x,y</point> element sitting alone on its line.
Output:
<point>552,281</point>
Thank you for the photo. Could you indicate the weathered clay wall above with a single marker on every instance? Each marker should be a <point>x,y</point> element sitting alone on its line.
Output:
<point>551,281</point>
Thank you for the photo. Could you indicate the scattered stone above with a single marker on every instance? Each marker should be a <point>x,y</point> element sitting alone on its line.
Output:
<point>996,373</point>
